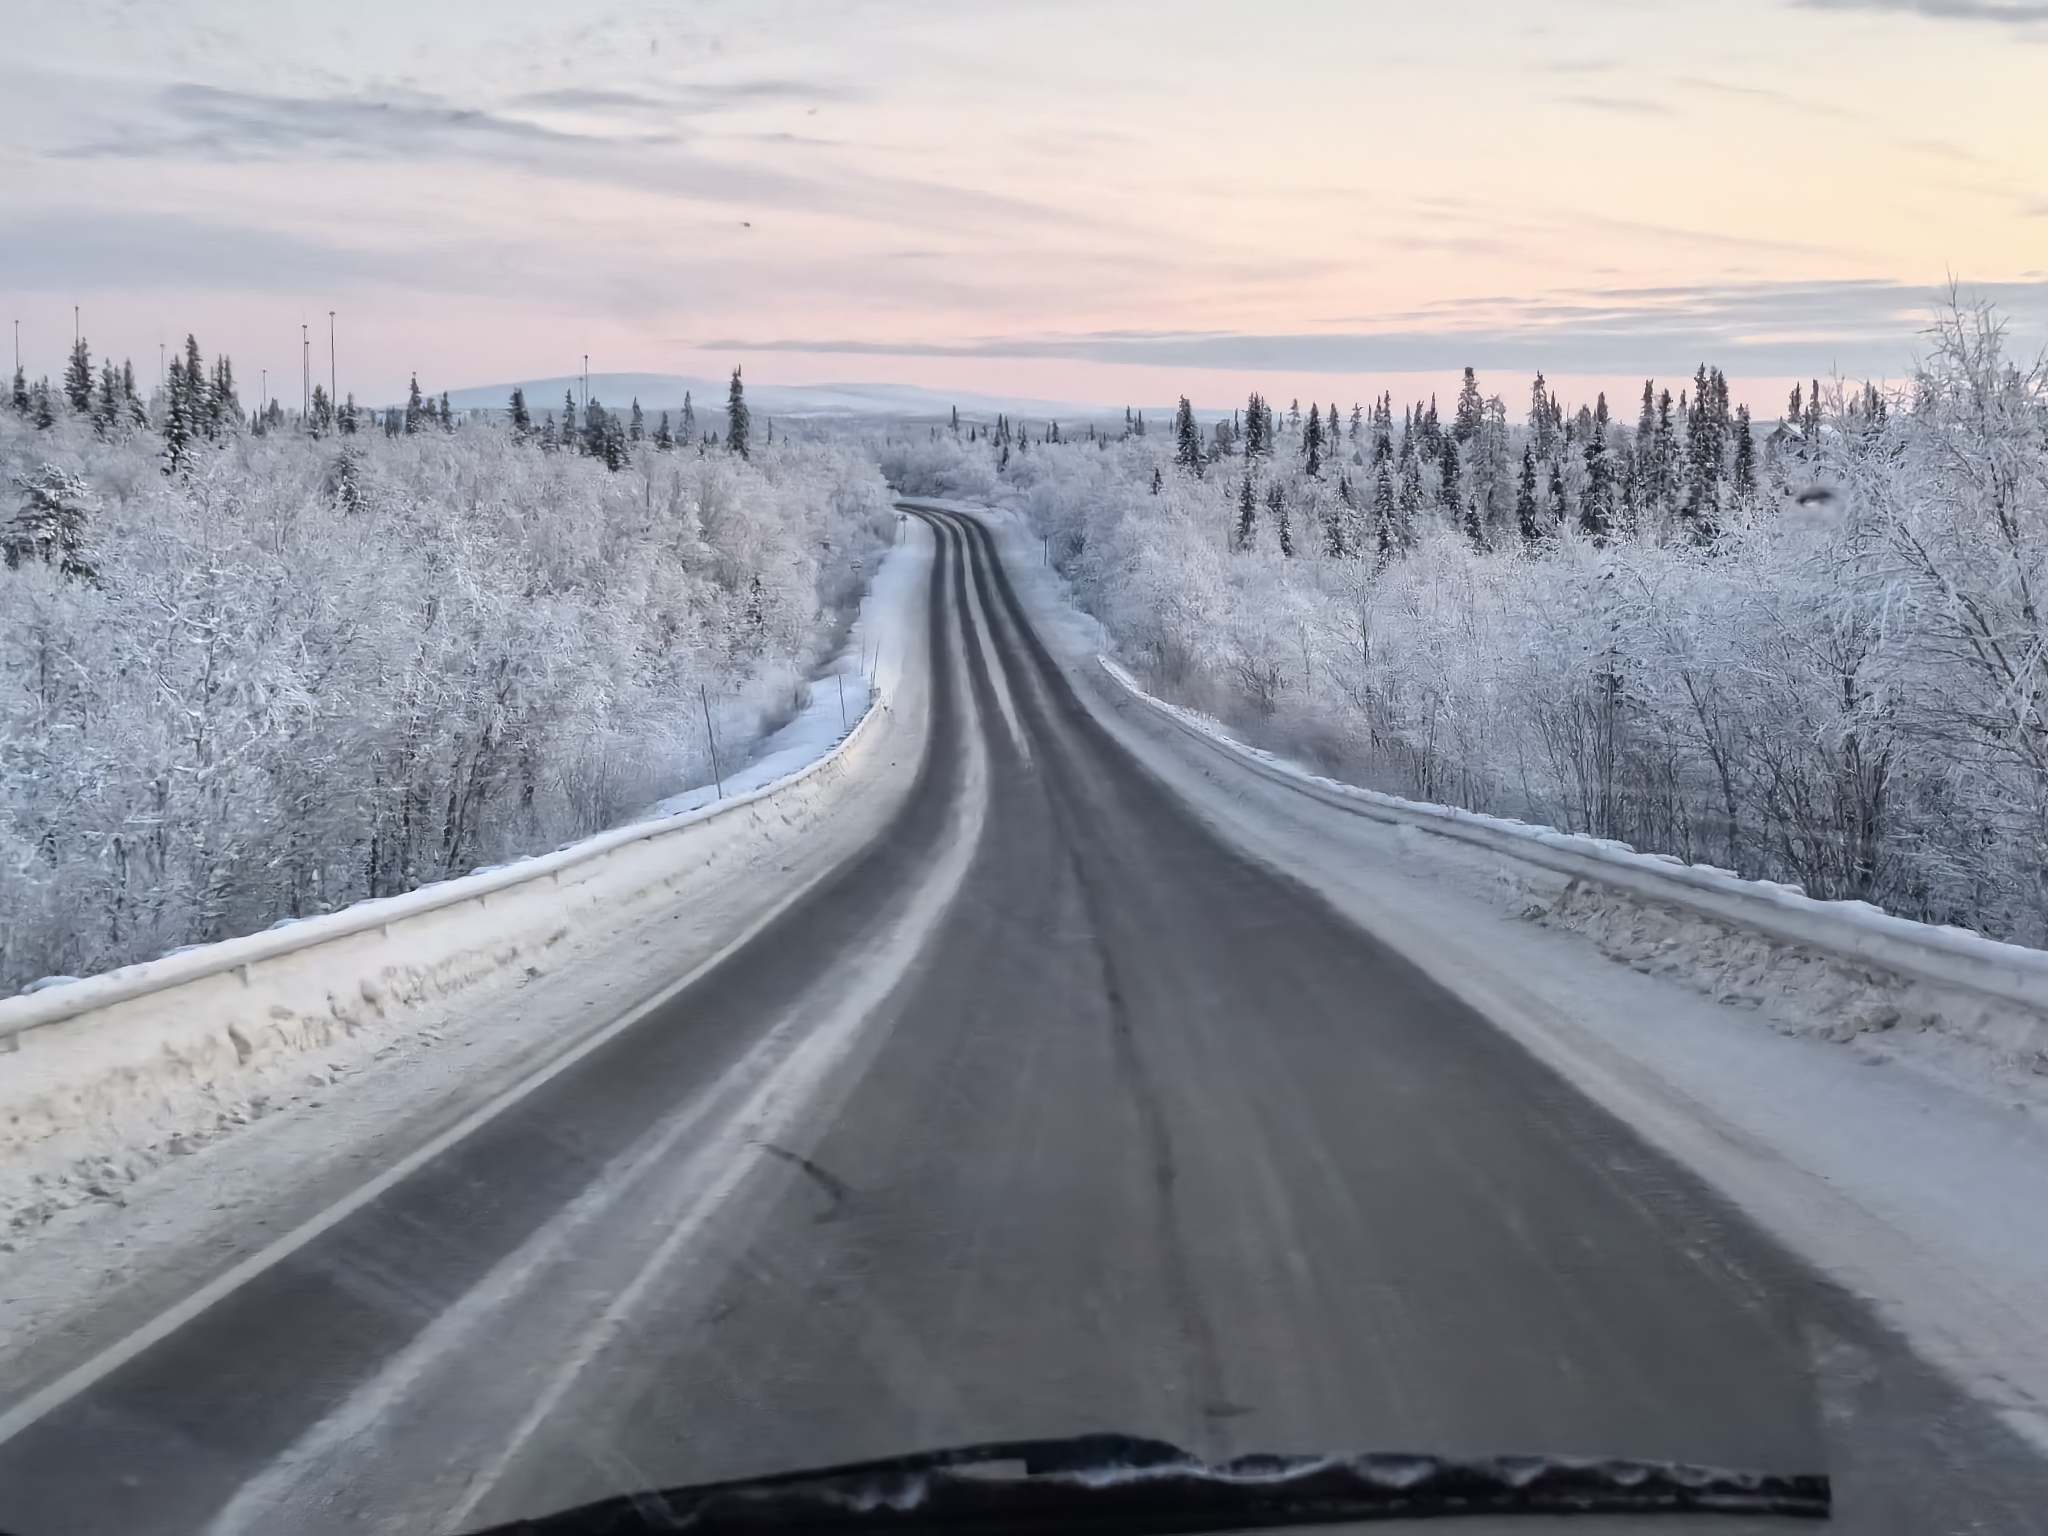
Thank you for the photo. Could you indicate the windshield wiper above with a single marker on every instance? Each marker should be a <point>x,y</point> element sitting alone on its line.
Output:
<point>1118,1483</point>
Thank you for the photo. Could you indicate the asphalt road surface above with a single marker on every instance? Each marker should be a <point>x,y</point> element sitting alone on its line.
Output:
<point>1047,1114</point>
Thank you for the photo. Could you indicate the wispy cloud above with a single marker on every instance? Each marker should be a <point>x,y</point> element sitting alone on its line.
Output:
<point>2015,13</point>
<point>1632,106</point>
<point>1755,329</point>
<point>208,124</point>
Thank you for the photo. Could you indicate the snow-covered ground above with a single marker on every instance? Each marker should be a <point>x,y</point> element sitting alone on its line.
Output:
<point>111,1215</point>
<point>1908,1165</point>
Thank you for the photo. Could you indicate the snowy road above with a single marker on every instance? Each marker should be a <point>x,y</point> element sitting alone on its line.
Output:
<point>1047,1114</point>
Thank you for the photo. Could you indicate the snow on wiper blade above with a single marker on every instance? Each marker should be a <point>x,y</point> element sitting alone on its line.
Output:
<point>1116,1483</point>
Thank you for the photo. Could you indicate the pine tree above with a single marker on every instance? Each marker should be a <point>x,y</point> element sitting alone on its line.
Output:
<point>178,424</point>
<point>1745,458</point>
<point>106,410</point>
<point>1599,492</point>
<point>686,425</point>
<point>1383,510</point>
<point>662,441</point>
<point>1312,442</point>
<point>415,407</point>
<point>1525,496</point>
<point>522,419</point>
<point>1357,412</point>
<point>446,414</point>
<point>1187,452</point>
<point>137,416</point>
<point>637,431</point>
<point>78,379</point>
<point>738,427</point>
<point>1474,531</point>
<point>1247,511</point>
<point>44,407</point>
<point>1277,505</point>
<point>1471,410</point>
<point>570,438</point>
<point>50,525</point>
<point>1540,432</point>
<point>323,411</point>
<point>1447,469</point>
<point>350,418</point>
<point>20,395</point>
<point>1157,480</point>
<point>223,409</point>
<point>956,421</point>
<point>1558,508</point>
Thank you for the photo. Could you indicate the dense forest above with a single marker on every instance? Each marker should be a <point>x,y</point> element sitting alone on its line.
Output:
<point>1812,651</point>
<point>256,666</point>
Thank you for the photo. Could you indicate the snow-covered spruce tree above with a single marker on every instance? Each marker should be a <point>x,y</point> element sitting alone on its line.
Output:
<point>78,379</point>
<point>50,524</point>
<point>738,426</point>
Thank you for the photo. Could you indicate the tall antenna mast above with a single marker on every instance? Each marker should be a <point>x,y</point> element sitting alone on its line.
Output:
<point>305,372</point>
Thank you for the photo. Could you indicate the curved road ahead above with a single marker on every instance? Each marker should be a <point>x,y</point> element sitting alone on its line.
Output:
<point>1048,1113</point>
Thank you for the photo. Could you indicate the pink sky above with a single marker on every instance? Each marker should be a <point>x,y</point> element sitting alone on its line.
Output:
<point>1052,199</point>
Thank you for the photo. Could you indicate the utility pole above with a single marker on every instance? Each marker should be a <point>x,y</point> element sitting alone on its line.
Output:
<point>305,374</point>
<point>76,329</point>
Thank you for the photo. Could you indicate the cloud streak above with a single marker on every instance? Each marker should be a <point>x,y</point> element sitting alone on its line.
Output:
<point>1753,329</point>
<point>2012,13</point>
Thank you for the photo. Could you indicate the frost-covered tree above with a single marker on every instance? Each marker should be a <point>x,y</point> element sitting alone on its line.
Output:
<point>1187,438</point>
<point>415,408</point>
<point>1525,496</point>
<point>519,416</point>
<point>737,429</point>
<point>78,379</point>
<point>1471,410</point>
<point>304,674</point>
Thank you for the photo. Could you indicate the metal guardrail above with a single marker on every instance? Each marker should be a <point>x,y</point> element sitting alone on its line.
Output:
<point>55,1005</point>
<point>1849,930</point>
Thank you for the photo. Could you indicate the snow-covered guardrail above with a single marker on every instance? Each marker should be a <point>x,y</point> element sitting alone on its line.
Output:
<point>244,959</point>
<point>105,1077</point>
<point>1949,978</point>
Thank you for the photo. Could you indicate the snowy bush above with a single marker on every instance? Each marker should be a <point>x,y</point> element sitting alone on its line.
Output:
<point>302,671</point>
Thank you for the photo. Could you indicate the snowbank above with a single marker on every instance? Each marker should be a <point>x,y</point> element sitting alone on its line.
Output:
<point>106,1077</point>
<point>1839,967</point>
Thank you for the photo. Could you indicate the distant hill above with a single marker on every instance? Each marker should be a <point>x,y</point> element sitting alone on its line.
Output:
<point>664,392</point>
